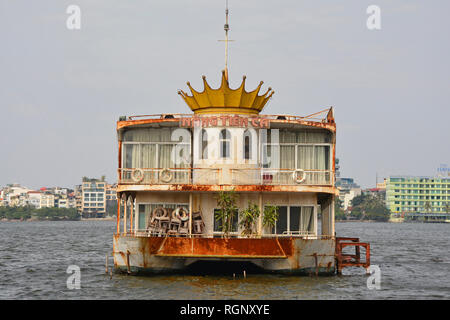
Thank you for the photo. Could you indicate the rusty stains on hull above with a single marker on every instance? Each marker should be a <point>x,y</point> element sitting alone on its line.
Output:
<point>289,254</point>
<point>229,248</point>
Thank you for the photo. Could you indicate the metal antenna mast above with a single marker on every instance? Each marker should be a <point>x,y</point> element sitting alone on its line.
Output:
<point>226,28</point>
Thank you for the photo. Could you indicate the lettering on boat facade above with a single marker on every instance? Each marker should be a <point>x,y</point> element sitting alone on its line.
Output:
<point>225,121</point>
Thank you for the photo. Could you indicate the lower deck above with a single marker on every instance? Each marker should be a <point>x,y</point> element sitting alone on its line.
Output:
<point>157,213</point>
<point>160,231</point>
<point>134,254</point>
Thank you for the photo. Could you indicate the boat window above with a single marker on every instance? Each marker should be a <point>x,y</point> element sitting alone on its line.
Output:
<point>146,210</point>
<point>204,144</point>
<point>305,136</point>
<point>281,224</point>
<point>247,145</point>
<point>148,135</point>
<point>225,140</point>
<point>218,222</point>
<point>295,220</point>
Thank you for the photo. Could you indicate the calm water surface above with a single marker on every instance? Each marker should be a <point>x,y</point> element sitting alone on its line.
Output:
<point>414,260</point>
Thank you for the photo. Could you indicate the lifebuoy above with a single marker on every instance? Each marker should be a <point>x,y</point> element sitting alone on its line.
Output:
<point>296,178</point>
<point>139,177</point>
<point>155,212</point>
<point>166,175</point>
<point>184,216</point>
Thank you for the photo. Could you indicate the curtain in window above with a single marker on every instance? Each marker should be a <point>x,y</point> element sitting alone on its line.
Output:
<point>148,135</point>
<point>148,156</point>
<point>321,162</point>
<point>131,156</point>
<point>321,158</point>
<point>307,219</point>
<point>313,136</point>
<point>305,157</point>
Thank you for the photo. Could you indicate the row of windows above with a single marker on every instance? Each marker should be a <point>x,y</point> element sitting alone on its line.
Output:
<point>100,204</point>
<point>225,144</point>
<point>423,197</point>
<point>423,191</point>
<point>422,180</point>
<point>93,185</point>
<point>418,209</point>
<point>422,186</point>
<point>87,195</point>
<point>420,203</point>
<point>291,219</point>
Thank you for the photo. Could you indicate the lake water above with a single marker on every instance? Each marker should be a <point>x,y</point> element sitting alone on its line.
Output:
<point>414,260</point>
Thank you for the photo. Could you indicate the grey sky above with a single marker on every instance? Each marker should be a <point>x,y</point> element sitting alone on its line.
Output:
<point>62,91</point>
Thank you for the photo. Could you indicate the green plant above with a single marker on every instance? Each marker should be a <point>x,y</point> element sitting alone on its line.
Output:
<point>270,216</point>
<point>248,217</point>
<point>226,201</point>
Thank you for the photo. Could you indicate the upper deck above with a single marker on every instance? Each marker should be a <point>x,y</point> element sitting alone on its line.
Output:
<point>217,151</point>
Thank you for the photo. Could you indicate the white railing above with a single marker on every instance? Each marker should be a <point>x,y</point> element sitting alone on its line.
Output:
<point>281,177</point>
<point>218,176</point>
<point>200,176</point>
<point>291,234</point>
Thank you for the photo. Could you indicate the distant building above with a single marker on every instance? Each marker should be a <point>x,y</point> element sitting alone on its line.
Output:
<point>15,195</point>
<point>381,185</point>
<point>47,200</point>
<point>348,197</point>
<point>379,193</point>
<point>93,198</point>
<point>34,199</point>
<point>345,185</point>
<point>337,168</point>
<point>411,194</point>
<point>111,192</point>
<point>78,198</point>
<point>62,202</point>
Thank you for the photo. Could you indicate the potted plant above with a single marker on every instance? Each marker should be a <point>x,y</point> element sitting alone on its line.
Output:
<point>248,217</point>
<point>226,201</point>
<point>270,216</point>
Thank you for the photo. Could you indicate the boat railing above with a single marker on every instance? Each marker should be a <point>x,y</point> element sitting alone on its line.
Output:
<point>201,176</point>
<point>320,116</point>
<point>225,176</point>
<point>307,235</point>
<point>263,176</point>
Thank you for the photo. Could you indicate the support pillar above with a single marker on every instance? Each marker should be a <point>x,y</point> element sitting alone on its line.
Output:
<point>261,212</point>
<point>125,209</point>
<point>118,214</point>
<point>190,214</point>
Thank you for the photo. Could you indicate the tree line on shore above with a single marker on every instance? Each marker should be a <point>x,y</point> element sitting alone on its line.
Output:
<point>25,213</point>
<point>363,207</point>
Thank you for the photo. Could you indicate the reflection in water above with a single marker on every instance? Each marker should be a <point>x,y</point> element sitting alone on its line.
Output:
<point>34,256</point>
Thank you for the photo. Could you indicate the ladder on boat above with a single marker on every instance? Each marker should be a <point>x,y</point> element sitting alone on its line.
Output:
<point>351,260</point>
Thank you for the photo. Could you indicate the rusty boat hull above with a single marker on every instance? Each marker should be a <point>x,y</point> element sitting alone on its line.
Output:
<point>286,255</point>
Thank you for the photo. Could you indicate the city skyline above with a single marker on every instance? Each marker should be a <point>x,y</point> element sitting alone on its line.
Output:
<point>63,91</point>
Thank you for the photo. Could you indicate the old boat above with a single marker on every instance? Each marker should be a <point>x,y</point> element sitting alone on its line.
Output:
<point>173,168</point>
